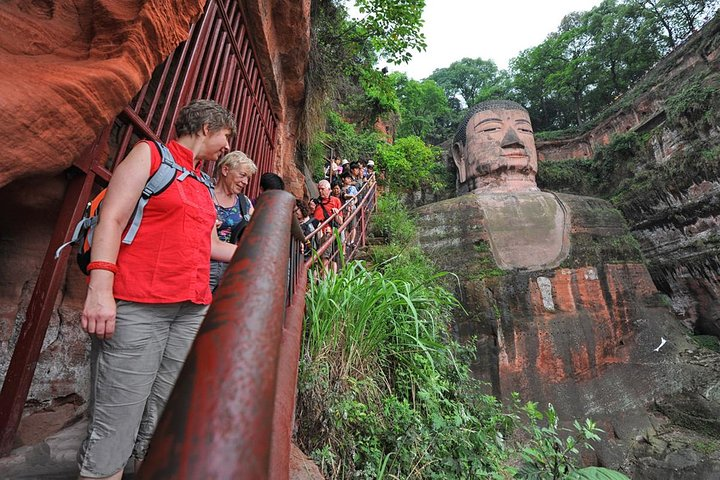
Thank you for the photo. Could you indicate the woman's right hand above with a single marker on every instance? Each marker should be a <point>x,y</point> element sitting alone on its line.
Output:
<point>98,316</point>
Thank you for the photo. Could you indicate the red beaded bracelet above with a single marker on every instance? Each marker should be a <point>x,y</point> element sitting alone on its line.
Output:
<point>111,267</point>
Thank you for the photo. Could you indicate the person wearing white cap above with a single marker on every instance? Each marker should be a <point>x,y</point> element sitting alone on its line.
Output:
<point>370,169</point>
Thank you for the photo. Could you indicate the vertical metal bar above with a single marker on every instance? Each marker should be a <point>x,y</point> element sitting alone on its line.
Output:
<point>208,59</point>
<point>179,72</point>
<point>196,56</point>
<point>156,97</point>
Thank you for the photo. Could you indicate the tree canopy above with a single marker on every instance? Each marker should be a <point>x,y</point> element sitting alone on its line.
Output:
<point>471,80</point>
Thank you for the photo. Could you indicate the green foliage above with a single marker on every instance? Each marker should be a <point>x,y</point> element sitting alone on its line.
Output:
<point>658,183</point>
<point>694,107</point>
<point>576,176</point>
<point>471,80</point>
<point>382,389</point>
<point>551,450</point>
<point>316,154</point>
<point>616,161</point>
<point>343,54</point>
<point>706,448</point>
<point>596,473</point>
<point>707,341</point>
<point>611,168</point>
<point>392,221</point>
<point>393,26</point>
<point>375,99</point>
<point>424,109</point>
<point>596,56</point>
<point>347,142</point>
<point>674,20</point>
<point>411,164</point>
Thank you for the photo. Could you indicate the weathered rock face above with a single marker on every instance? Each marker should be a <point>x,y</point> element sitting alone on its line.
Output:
<point>582,336</point>
<point>670,195</point>
<point>62,372</point>
<point>281,30</point>
<point>70,67</point>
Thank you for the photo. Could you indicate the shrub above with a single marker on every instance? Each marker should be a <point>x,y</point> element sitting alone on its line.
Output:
<point>410,164</point>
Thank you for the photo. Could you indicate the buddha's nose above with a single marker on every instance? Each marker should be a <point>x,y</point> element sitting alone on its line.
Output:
<point>511,140</point>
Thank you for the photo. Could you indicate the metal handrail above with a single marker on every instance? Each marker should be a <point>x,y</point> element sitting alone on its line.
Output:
<point>368,195</point>
<point>230,413</point>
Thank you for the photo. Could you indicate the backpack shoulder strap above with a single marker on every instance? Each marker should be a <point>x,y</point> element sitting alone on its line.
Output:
<point>327,215</point>
<point>156,184</point>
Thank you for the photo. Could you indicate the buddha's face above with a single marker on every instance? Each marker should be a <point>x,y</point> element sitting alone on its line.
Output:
<point>499,145</point>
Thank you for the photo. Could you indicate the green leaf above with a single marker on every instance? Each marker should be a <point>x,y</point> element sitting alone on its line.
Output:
<point>596,473</point>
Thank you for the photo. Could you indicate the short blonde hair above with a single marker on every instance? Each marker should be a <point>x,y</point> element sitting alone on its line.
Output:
<point>234,160</point>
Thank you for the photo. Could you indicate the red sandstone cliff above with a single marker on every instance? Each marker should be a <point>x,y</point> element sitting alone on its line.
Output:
<point>70,67</point>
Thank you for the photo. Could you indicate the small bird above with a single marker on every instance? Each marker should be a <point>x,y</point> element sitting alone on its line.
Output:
<point>662,342</point>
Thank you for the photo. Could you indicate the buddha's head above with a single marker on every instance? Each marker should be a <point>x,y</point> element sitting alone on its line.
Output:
<point>494,149</point>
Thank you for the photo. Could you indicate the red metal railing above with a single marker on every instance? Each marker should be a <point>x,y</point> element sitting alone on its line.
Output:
<point>230,414</point>
<point>355,217</point>
<point>216,62</point>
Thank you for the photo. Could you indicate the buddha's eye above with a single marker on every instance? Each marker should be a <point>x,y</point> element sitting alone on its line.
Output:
<point>525,130</point>
<point>490,129</point>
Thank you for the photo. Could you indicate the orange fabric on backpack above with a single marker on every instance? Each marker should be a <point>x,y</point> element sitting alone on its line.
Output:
<point>94,204</point>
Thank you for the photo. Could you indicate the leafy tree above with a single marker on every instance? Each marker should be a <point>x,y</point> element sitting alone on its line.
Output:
<point>675,20</point>
<point>472,80</point>
<point>393,27</point>
<point>569,49</point>
<point>549,80</point>
<point>424,109</point>
<point>344,51</point>
<point>622,50</point>
<point>409,163</point>
<point>347,142</point>
<point>373,97</point>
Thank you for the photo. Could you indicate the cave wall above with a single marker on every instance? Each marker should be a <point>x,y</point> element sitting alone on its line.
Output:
<point>281,33</point>
<point>80,63</point>
<point>70,67</point>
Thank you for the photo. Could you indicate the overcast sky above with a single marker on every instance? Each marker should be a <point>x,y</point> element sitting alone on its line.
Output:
<point>494,30</point>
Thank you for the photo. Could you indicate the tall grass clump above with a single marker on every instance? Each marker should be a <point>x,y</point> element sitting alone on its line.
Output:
<point>391,221</point>
<point>383,390</point>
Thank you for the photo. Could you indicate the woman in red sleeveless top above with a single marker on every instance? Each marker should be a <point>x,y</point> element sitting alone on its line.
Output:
<point>146,300</point>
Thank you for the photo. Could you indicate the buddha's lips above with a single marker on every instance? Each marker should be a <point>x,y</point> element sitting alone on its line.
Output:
<point>515,154</point>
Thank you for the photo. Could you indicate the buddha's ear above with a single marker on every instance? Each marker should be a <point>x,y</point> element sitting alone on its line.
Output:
<point>457,153</point>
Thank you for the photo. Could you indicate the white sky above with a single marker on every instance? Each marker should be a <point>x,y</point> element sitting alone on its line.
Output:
<point>495,30</point>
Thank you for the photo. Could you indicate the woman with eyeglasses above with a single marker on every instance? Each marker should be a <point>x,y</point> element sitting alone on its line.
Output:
<point>232,175</point>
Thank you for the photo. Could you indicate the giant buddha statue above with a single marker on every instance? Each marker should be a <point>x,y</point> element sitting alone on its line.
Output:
<point>553,287</point>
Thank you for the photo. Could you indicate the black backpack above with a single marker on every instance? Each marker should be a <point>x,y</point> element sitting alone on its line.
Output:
<point>238,229</point>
